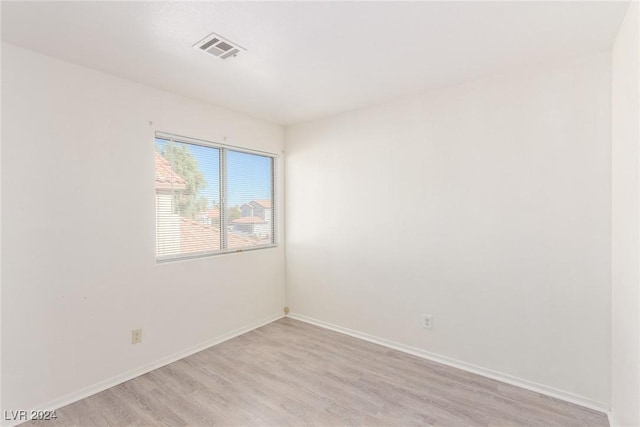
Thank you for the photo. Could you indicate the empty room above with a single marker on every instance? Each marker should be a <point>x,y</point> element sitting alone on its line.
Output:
<point>320,213</point>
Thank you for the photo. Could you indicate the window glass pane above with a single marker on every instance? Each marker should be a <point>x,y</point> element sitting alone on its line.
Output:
<point>249,199</point>
<point>187,188</point>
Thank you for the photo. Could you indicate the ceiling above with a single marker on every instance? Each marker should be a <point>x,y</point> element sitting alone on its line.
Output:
<point>306,60</point>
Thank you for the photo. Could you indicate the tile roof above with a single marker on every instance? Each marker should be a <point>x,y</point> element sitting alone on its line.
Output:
<point>197,237</point>
<point>213,212</point>
<point>166,177</point>
<point>249,220</point>
<point>265,203</point>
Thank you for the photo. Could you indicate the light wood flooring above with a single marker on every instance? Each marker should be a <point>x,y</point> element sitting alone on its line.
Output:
<point>289,373</point>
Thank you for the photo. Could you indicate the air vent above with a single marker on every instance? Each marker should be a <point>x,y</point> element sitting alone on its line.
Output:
<point>218,46</point>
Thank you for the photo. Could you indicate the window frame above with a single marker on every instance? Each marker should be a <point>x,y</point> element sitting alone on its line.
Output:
<point>224,220</point>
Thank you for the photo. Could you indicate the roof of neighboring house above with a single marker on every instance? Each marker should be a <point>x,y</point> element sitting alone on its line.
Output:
<point>249,220</point>
<point>197,237</point>
<point>265,203</point>
<point>166,177</point>
<point>213,212</point>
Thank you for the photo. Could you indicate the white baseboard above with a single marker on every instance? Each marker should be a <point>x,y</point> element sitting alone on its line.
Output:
<point>126,376</point>
<point>505,378</point>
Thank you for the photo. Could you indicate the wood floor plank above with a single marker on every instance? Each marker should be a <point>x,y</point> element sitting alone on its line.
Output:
<point>289,373</point>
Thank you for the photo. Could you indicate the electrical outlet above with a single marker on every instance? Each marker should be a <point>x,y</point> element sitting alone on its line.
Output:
<point>136,336</point>
<point>427,321</point>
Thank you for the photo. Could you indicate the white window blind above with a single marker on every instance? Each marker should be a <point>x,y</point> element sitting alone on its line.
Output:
<point>211,199</point>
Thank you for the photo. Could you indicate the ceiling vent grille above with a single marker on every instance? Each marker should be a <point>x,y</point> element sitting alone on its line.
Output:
<point>219,47</point>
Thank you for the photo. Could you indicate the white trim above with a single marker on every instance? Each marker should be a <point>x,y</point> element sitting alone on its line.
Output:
<point>498,376</point>
<point>131,374</point>
<point>612,419</point>
<point>165,259</point>
<point>210,144</point>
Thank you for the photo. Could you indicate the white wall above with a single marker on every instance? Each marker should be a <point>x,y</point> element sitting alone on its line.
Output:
<point>78,236</point>
<point>625,222</point>
<point>487,205</point>
<point>1,274</point>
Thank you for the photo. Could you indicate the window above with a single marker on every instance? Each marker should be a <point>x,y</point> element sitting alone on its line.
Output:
<point>211,199</point>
